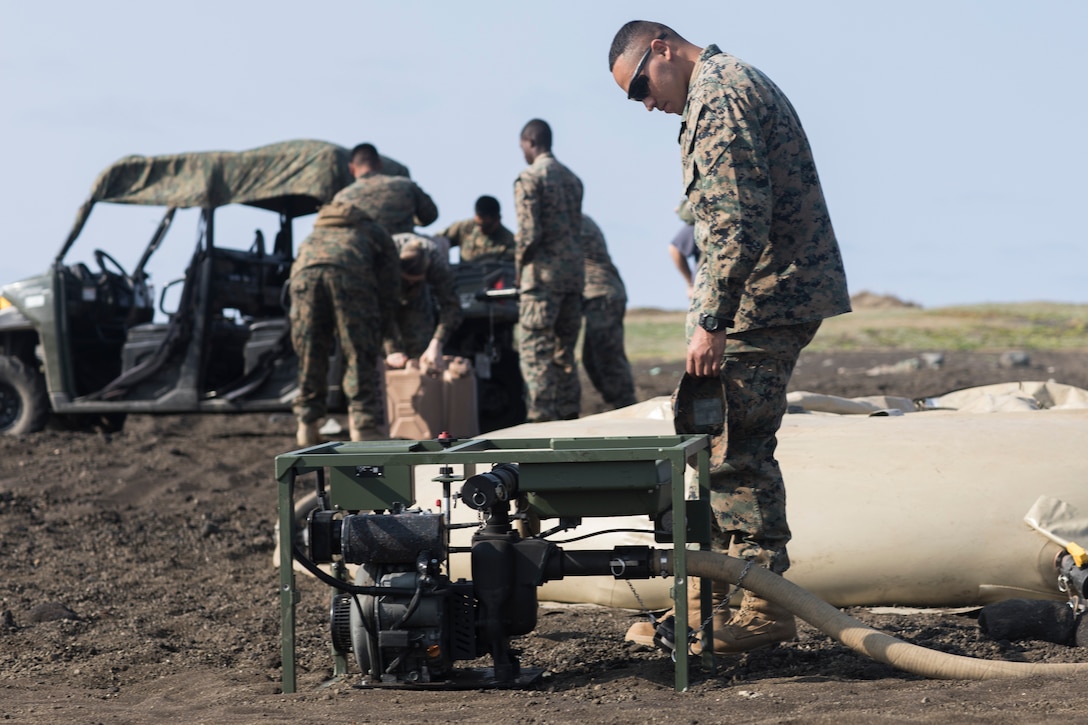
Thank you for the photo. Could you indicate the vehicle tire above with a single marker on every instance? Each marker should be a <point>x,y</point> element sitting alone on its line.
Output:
<point>23,404</point>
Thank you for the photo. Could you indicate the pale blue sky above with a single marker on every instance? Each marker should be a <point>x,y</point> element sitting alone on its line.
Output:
<point>949,134</point>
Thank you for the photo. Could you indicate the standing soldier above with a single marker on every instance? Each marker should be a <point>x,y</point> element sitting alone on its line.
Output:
<point>395,202</point>
<point>682,247</point>
<point>770,272</point>
<point>604,304</point>
<point>342,285</point>
<point>428,310</point>
<point>482,238</point>
<point>551,274</point>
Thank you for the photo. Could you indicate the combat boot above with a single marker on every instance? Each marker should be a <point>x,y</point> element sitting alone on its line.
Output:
<point>642,632</point>
<point>757,623</point>
<point>364,431</point>
<point>307,434</point>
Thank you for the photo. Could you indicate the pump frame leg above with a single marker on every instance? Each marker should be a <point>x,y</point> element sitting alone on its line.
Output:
<point>288,590</point>
<point>681,524</point>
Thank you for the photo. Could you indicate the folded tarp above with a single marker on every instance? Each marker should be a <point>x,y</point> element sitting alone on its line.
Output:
<point>1014,396</point>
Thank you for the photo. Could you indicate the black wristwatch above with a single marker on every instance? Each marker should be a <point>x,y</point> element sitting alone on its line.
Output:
<point>710,323</point>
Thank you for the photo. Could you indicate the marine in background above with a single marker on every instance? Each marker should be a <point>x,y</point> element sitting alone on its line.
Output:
<point>395,202</point>
<point>604,305</point>
<point>682,248</point>
<point>342,285</point>
<point>551,274</point>
<point>482,238</point>
<point>427,309</point>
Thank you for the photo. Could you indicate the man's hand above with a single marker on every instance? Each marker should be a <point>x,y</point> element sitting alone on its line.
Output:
<point>705,353</point>
<point>431,359</point>
<point>396,360</point>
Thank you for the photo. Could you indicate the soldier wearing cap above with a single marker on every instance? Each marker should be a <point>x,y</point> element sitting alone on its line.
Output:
<point>428,310</point>
<point>770,272</point>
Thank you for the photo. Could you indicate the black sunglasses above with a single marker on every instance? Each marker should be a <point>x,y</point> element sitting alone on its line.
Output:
<point>639,87</point>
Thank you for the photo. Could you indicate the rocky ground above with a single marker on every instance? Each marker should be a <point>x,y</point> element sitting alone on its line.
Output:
<point>136,585</point>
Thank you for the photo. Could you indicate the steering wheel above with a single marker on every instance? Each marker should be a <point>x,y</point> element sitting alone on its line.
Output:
<point>101,257</point>
<point>125,292</point>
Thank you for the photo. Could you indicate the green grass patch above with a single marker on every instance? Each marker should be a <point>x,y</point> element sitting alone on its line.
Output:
<point>650,334</point>
<point>659,335</point>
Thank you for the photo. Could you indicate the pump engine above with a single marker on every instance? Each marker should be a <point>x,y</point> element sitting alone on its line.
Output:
<point>403,621</point>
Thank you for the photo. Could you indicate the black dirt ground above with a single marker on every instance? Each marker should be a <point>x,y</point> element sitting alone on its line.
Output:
<point>136,585</point>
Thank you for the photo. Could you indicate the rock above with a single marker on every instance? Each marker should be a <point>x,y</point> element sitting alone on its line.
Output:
<point>932,360</point>
<point>909,365</point>
<point>50,612</point>
<point>1014,359</point>
<point>872,301</point>
<point>331,427</point>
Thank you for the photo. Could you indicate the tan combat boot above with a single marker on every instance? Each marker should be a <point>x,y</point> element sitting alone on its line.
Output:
<point>757,623</point>
<point>308,434</point>
<point>642,632</point>
<point>364,432</point>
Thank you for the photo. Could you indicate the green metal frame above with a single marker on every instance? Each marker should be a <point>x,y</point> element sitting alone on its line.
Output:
<point>608,476</point>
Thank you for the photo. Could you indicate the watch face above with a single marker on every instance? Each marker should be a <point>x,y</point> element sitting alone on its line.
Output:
<point>708,323</point>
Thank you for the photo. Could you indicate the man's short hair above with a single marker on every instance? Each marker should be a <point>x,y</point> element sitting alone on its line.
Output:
<point>635,33</point>
<point>366,154</point>
<point>538,133</point>
<point>487,206</point>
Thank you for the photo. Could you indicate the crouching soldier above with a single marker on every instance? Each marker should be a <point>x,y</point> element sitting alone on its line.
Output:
<point>427,308</point>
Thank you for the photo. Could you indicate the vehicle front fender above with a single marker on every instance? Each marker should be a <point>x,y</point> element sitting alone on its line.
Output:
<point>12,320</point>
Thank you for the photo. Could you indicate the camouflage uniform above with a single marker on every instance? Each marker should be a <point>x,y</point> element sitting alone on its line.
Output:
<point>604,301</point>
<point>477,246</point>
<point>395,202</point>
<point>551,274</point>
<point>342,284</point>
<point>770,269</point>
<point>429,309</point>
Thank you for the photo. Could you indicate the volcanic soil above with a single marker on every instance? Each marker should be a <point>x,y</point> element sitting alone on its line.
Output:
<point>136,585</point>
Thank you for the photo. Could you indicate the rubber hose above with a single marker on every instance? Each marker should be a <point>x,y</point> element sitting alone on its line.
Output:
<point>856,635</point>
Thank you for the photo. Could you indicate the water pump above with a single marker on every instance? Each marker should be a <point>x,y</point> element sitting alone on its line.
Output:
<point>400,618</point>
<point>405,622</point>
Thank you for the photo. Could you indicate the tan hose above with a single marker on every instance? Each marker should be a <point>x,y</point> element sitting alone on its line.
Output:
<point>857,636</point>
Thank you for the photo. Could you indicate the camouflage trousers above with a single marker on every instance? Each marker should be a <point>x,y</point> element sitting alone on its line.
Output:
<point>417,319</point>
<point>603,353</point>
<point>327,303</point>
<point>549,326</point>
<point>747,492</point>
